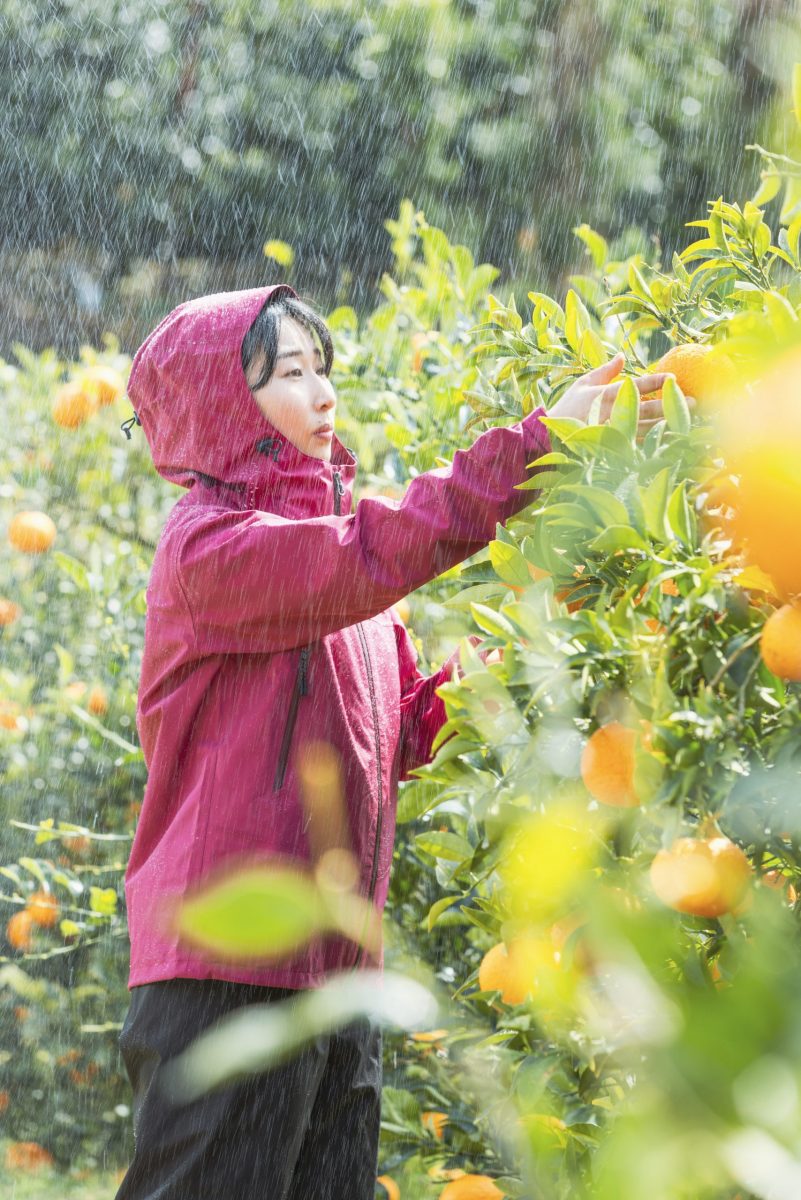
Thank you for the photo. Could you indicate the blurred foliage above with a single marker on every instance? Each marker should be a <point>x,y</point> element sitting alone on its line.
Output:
<point>655,1045</point>
<point>153,148</point>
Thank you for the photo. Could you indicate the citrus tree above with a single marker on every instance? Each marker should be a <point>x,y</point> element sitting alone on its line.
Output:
<point>597,873</point>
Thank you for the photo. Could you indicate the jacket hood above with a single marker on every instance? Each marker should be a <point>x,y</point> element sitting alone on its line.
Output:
<point>191,398</point>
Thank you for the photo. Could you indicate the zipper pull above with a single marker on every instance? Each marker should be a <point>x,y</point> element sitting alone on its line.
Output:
<point>339,492</point>
<point>304,659</point>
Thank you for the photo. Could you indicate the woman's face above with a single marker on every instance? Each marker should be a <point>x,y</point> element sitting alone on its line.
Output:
<point>299,397</point>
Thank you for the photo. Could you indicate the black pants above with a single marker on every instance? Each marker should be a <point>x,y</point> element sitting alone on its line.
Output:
<point>306,1130</point>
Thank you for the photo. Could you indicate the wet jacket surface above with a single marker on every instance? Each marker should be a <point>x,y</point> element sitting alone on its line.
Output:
<point>269,627</point>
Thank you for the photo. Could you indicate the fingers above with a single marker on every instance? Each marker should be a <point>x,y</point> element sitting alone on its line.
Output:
<point>651,383</point>
<point>606,371</point>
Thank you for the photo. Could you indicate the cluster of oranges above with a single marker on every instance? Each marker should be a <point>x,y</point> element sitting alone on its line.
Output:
<point>96,387</point>
<point>42,910</point>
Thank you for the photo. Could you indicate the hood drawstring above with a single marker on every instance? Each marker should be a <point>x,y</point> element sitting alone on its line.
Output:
<point>126,425</point>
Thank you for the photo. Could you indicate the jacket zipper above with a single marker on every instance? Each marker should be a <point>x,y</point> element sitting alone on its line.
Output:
<point>301,689</point>
<point>301,681</point>
<point>380,817</point>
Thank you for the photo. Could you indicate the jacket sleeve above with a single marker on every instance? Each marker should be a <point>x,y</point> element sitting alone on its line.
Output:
<point>422,712</point>
<point>258,582</point>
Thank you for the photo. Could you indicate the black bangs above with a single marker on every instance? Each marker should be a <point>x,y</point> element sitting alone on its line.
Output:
<point>262,337</point>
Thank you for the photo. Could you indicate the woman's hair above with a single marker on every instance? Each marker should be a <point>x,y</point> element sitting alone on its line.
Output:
<point>262,337</point>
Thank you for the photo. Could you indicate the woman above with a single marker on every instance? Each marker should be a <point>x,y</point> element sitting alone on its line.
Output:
<point>269,636</point>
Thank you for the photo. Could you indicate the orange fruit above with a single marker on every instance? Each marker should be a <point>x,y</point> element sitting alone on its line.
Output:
<point>780,883</point>
<point>705,877</point>
<point>513,971</point>
<point>97,702</point>
<point>9,715</point>
<point>471,1187</point>
<point>607,765</point>
<point>27,1156</point>
<point>44,909</point>
<point>435,1123</point>
<point>5,1100</point>
<point>703,372</point>
<point>104,384</point>
<point>18,930</point>
<point>434,1036</point>
<point>765,511</point>
<point>9,611</point>
<point>31,532</point>
<point>78,846</point>
<point>780,643</point>
<point>390,1186</point>
<point>761,443</point>
<point>72,406</point>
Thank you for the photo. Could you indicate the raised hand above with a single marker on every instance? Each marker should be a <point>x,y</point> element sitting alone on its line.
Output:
<point>582,393</point>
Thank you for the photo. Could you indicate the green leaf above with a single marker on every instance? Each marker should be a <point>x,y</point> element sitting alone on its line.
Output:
<point>445,845</point>
<point>268,912</point>
<point>577,319</point>
<point>768,188</point>
<point>679,516</point>
<point>591,349</point>
<point>72,567</point>
<point>491,622</point>
<point>655,501</point>
<point>509,564</point>
<point>638,285</point>
<point>66,663</point>
<point>103,901</point>
<point>674,406</point>
<point>626,410</point>
<point>604,507</point>
<point>797,91</point>
<point>595,244</point>
<point>436,910</point>
<point>618,537</point>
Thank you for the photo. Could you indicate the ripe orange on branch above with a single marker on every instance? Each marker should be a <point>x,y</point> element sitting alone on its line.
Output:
<point>435,1123</point>
<point>44,909</point>
<point>761,444</point>
<point>701,371</point>
<point>97,702</point>
<point>9,611</point>
<point>471,1187</point>
<point>19,929</point>
<point>27,1156</point>
<point>524,967</point>
<point>31,532</point>
<point>704,877</point>
<point>72,406</point>
<point>608,763</point>
<point>104,384</point>
<point>780,643</point>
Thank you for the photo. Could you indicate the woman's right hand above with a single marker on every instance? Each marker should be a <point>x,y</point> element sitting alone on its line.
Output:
<point>580,396</point>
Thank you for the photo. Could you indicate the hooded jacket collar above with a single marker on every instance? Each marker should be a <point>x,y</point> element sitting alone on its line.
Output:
<point>204,427</point>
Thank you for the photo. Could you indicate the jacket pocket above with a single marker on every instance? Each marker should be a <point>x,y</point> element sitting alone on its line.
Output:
<point>301,689</point>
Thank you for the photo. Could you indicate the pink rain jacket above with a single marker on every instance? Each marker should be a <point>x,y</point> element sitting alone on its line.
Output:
<point>269,624</point>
